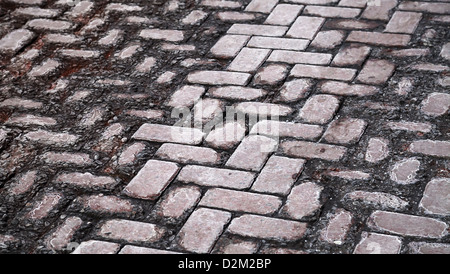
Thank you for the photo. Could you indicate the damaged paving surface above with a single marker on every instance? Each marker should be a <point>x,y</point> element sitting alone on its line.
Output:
<point>114,134</point>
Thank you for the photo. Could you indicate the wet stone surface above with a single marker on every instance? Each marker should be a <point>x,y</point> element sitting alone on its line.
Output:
<point>238,126</point>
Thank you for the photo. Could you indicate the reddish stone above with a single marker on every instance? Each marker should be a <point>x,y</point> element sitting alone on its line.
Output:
<point>241,201</point>
<point>338,227</point>
<point>205,224</point>
<point>408,225</point>
<point>267,228</point>
<point>151,180</point>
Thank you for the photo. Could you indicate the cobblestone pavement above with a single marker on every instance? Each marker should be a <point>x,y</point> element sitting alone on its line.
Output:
<point>113,137</point>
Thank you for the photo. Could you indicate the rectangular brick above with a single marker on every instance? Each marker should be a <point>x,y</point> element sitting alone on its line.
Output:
<point>23,183</point>
<point>147,114</point>
<point>173,134</point>
<point>208,176</point>
<point>237,93</point>
<point>377,150</point>
<point>403,22</point>
<point>351,24</point>
<point>434,199</point>
<point>96,247</point>
<point>159,173</point>
<point>205,224</point>
<point>178,201</point>
<point>210,77</point>
<point>44,205</point>
<point>229,45</point>
<point>271,74</point>
<point>407,225</point>
<point>267,228</point>
<point>278,43</point>
<point>162,34</point>
<point>263,109</point>
<point>146,65</point>
<point>287,129</point>
<point>240,201</point>
<point>86,180</point>
<point>305,27</point>
<point>62,38</point>
<point>111,37</point>
<point>295,57</point>
<point>431,147</point>
<point>17,102</point>
<point>379,9</point>
<point>129,154</point>
<point>319,108</point>
<point>29,119</point>
<point>28,2</point>
<point>350,55</point>
<point>410,126</point>
<point>104,204</point>
<point>428,248</point>
<point>283,14</point>
<point>378,199</point>
<point>381,39</point>
<point>263,6</point>
<point>338,12</point>
<point>48,24</point>
<point>79,53</point>
<point>252,153</point>
<point>348,174</point>
<point>295,90</point>
<point>207,110</point>
<point>345,131</point>
<point>278,175</point>
<point>353,3</point>
<point>129,51</point>
<point>122,7</point>
<point>221,3</point>
<point>332,73</point>
<point>81,8</point>
<point>47,67</point>
<point>130,231</point>
<point>374,243</point>
<point>226,136</point>
<point>236,16</point>
<point>376,72</point>
<point>433,7</point>
<point>51,138</point>
<point>187,154</point>
<point>262,30</point>
<point>313,150</point>
<point>78,159</point>
<point>328,39</point>
<point>15,40</point>
<point>61,237</point>
<point>194,17</point>
<point>186,96</point>
<point>428,67</point>
<point>341,88</point>
<point>249,60</point>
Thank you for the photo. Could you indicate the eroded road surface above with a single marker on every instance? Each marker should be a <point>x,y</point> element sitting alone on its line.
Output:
<point>224,126</point>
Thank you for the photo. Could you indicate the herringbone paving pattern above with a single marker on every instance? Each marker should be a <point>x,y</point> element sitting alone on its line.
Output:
<point>224,126</point>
